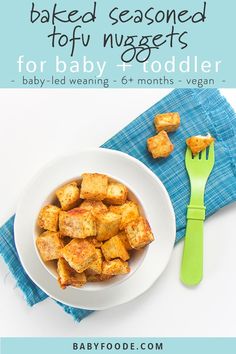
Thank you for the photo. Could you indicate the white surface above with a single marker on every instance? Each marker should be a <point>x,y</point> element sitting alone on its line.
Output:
<point>39,125</point>
<point>153,200</point>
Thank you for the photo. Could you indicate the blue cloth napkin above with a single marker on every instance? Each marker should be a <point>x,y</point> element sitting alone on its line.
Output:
<point>201,111</point>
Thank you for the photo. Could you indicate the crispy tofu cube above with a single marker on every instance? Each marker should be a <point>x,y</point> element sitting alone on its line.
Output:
<point>77,223</point>
<point>123,237</point>
<point>116,193</point>
<point>199,143</point>
<point>94,206</point>
<point>107,225</point>
<point>139,233</point>
<point>114,248</point>
<point>96,266</point>
<point>49,245</point>
<point>128,212</point>
<point>94,186</point>
<point>160,145</point>
<point>97,277</point>
<point>80,254</point>
<point>167,121</point>
<point>68,276</point>
<point>68,196</point>
<point>115,267</point>
<point>48,218</point>
<point>94,241</point>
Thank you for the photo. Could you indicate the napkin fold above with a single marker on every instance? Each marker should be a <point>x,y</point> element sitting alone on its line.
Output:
<point>201,111</point>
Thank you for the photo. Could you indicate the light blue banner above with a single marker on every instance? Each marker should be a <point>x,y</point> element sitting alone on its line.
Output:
<point>120,44</point>
<point>118,345</point>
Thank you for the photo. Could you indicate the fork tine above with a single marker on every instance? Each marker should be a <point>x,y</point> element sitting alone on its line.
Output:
<point>204,154</point>
<point>188,154</point>
<point>211,153</point>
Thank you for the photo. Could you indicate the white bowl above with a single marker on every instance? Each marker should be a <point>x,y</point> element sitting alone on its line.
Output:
<point>137,256</point>
<point>153,198</point>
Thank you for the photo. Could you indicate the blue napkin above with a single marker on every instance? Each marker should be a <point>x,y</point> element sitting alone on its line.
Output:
<point>201,111</point>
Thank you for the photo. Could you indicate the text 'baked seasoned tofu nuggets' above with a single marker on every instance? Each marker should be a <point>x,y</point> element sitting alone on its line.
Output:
<point>93,231</point>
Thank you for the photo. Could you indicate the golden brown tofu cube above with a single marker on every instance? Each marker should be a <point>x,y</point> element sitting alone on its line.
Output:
<point>94,186</point>
<point>94,241</point>
<point>115,267</point>
<point>123,237</point>
<point>114,248</point>
<point>94,206</point>
<point>68,196</point>
<point>139,233</point>
<point>48,218</point>
<point>160,145</point>
<point>68,276</point>
<point>96,266</point>
<point>77,223</point>
<point>167,121</point>
<point>128,212</point>
<point>97,277</point>
<point>49,245</point>
<point>107,225</point>
<point>199,143</point>
<point>116,193</point>
<point>80,254</point>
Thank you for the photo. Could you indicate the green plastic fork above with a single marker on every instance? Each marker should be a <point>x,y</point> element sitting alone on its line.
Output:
<point>199,168</point>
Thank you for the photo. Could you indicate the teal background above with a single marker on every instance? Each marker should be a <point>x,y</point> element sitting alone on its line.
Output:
<point>170,345</point>
<point>212,40</point>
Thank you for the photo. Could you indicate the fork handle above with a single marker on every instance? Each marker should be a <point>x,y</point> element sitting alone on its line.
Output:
<point>192,261</point>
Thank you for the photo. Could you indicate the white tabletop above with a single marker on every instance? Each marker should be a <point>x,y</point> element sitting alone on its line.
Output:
<point>39,125</point>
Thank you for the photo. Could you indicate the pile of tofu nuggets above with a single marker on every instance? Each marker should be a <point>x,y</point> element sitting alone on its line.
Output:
<point>92,232</point>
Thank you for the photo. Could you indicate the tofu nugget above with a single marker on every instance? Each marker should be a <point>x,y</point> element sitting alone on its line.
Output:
<point>94,241</point>
<point>115,267</point>
<point>77,223</point>
<point>139,233</point>
<point>160,145</point>
<point>199,143</point>
<point>116,193</point>
<point>128,212</point>
<point>94,186</point>
<point>96,266</point>
<point>80,254</point>
<point>107,225</point>
<point>49,245</point>
<point>67,276</point>
<point>123,237</point>
<point>48,218</point>
<point>114,248</point>
<point>167,121</point>
<point>68,196</point>
<point>94,206</point>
